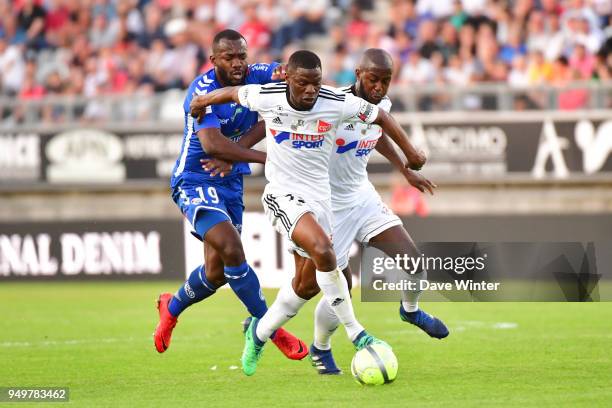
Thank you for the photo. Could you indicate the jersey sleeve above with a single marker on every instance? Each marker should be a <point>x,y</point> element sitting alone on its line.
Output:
<point>250,97</point>
<point>264,73</point>
<point>210,120</point>
<point>385,104</point>
<point>358,110</point>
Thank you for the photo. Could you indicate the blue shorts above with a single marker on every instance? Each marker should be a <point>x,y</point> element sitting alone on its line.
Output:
<point>207,203</point>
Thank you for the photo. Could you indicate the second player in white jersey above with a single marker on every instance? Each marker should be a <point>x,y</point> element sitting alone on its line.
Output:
<point>358,210</point>
<point>354,144</point>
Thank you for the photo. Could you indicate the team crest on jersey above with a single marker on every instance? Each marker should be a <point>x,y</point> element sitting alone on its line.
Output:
<point>298,140</point>
<point>297,124</point>
<point>323,126</point>
<point>363,147</point>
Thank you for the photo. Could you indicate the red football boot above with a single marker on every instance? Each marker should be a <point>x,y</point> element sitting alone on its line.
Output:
<point>163,331</point>
<point>292,347</point>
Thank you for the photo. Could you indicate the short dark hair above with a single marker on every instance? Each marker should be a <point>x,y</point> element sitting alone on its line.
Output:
<point>231,35</point>
<point>304,59</point>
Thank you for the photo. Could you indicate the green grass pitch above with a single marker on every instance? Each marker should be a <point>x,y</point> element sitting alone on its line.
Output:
<point>96,339</point>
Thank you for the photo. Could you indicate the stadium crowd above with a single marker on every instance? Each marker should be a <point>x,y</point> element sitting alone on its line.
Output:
<point>138,47</point>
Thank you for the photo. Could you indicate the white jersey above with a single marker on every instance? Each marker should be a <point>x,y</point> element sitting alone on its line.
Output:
<point>347,170</point>
<point>300,143</point>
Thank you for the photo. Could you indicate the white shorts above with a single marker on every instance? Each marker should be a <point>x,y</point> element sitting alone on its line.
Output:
<point>368,218</point>
<point>285,209</point>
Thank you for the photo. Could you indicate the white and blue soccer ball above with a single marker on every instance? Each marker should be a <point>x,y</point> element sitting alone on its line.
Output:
<point>374,365</point>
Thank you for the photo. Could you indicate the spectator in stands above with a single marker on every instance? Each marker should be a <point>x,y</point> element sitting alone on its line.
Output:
<point>253,29</point>
<point>31,23</point>
<point>152,29</point>
<point>514,47</point>
<point>417,70</point>
<point>12,67</point>
<point>448,44</point>
<point>582,62</point>
<point>519,76</point>
<point>539,70</point>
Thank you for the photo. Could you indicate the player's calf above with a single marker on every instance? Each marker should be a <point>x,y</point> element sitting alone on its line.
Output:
<point>225,240</point>
<point>195,289</point>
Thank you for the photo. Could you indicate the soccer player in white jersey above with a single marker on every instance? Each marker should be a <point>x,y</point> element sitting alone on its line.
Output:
<point>301,119</point>
<point>360,214</point>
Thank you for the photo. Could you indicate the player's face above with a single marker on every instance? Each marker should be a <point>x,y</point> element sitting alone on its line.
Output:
<point>230,61</point>
<point>304,85</point>
<point>374,83</point>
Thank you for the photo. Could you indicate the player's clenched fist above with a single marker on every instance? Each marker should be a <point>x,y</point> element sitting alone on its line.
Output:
<point>198,106</point>
<point>416,160</point>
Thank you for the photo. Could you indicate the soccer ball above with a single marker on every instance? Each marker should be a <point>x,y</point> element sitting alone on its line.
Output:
<point>374,365</point>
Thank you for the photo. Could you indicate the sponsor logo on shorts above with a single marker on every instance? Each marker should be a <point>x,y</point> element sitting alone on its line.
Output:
<point>196,201</point>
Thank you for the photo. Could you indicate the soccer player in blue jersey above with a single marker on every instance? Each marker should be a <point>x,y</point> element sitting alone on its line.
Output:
<point>212,204</point>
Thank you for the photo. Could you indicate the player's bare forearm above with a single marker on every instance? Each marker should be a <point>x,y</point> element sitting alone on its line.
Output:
<point>415,179</point>
<point>416,159</point>
<point>218,146</point>
<point>385,148</point>
<point>199,103</point>
<point>255,135</point>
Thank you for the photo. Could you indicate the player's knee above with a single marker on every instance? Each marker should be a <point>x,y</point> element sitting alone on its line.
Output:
<point>216,277</point>
<point>323,254</point>
<point>306,289</point>
<point>232,253</point>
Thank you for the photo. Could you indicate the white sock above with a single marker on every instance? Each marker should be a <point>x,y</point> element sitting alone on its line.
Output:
<point>410,298</point>
<point>336,293</point>
<point>326,323</point>
<point>285,306</point>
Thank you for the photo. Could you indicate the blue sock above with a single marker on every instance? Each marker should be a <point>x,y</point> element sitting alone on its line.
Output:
<point>244,282</point>
<point>195,289</point>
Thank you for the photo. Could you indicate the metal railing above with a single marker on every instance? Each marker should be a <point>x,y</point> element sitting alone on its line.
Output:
<point>492,97</point>
<point>167,107</point>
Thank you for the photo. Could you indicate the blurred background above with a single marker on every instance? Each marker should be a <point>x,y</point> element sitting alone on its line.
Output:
<point>511,100</point>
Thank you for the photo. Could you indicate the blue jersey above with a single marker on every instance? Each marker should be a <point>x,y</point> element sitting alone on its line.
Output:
<point>232,119</point>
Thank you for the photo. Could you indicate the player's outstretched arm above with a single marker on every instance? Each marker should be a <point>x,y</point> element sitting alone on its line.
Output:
<point>416,180</point>
<point>220,147</point>
<point>416,159</point>
<point>199,103</point>
<point>385,148</point>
